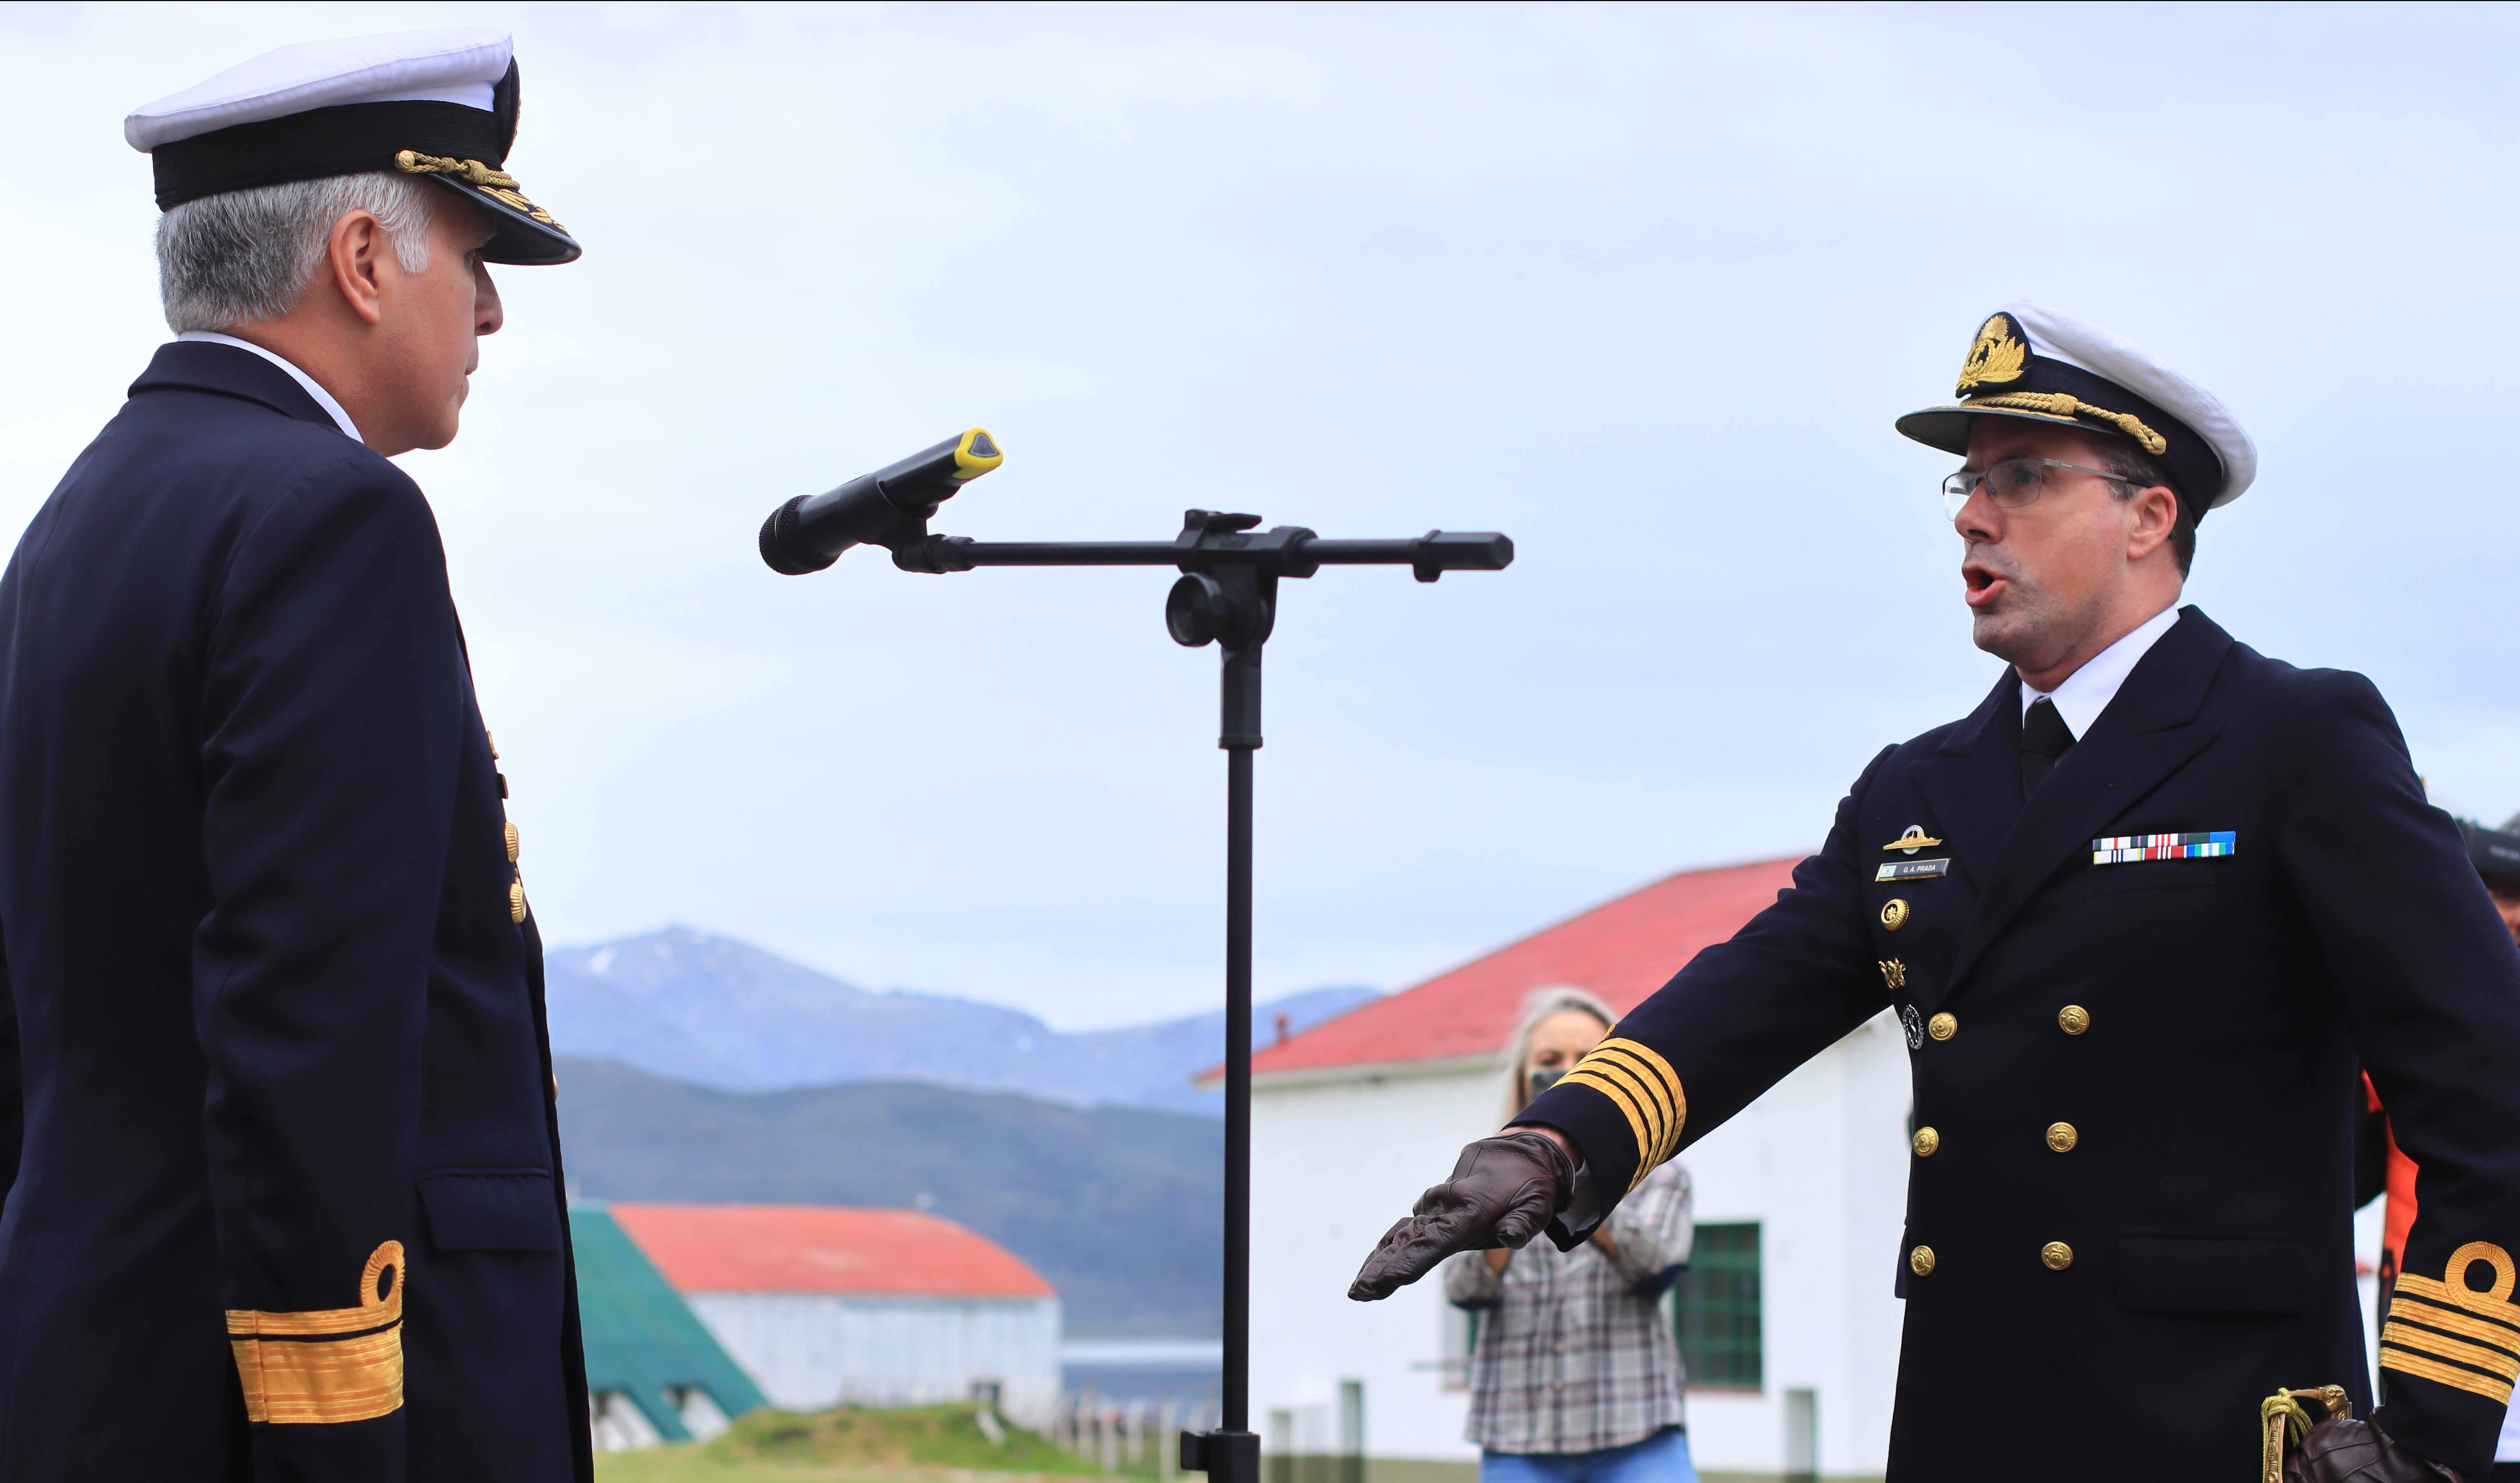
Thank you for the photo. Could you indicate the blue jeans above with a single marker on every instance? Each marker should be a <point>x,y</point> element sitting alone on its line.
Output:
<point>1662,1458</point>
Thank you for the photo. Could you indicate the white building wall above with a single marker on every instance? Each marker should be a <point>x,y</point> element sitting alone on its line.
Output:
<point>809,1350</point>
<point>1819,1162</point>
<point>1332,1165</point>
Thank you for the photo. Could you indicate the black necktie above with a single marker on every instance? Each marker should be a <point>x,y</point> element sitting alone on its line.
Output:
<point>2044,738</point>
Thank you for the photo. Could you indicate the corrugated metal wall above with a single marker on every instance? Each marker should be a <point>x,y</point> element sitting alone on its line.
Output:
<point>811,1350</point>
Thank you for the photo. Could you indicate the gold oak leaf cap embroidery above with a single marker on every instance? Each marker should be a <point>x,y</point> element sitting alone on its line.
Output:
<point>2032,363</point>
<point>438,106</point>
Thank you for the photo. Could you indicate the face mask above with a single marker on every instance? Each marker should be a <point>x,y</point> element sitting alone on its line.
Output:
<point>1542,1081</point>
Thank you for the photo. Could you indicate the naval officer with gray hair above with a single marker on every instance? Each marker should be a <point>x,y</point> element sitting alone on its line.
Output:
<point>2140,914</point>
<point>280,1178</point>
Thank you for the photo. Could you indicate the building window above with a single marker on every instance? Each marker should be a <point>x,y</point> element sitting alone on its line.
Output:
<point>1715,1308</point>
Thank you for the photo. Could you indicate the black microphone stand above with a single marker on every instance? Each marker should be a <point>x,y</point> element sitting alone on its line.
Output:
<point>1228,594</point>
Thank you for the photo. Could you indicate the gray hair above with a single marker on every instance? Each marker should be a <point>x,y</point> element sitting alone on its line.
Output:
<point>243,255</point>
<point>1538,1005</point>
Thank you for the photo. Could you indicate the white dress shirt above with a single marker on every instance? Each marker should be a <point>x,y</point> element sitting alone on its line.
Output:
<point>2087,692</point>
<point>323,398</point>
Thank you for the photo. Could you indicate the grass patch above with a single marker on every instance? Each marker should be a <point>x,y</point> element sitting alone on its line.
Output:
<point>908,1444</point>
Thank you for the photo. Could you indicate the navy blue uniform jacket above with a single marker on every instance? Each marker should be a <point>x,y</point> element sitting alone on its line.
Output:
<point>280,1182</point>
<point>2132,1220</point>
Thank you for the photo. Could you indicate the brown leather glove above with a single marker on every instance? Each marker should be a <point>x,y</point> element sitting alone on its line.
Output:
<point>1503,1191</point>
<point>2358,1451</point>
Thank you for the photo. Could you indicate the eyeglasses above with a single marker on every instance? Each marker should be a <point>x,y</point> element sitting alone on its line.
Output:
<point>2015,482</point>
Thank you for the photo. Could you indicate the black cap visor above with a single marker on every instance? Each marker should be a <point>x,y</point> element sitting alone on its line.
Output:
<point>521,233</point>
<point>1948,428</point>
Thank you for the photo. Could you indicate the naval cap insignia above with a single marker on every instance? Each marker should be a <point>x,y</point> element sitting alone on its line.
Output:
<point>1997,355</point>
<point>1913,839</point>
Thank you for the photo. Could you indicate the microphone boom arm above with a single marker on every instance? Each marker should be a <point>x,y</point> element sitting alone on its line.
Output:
<point>1210,539</point>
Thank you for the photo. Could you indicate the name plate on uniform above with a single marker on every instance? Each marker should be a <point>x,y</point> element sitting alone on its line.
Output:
<point>1913,870</point>
<point>2121,849</point>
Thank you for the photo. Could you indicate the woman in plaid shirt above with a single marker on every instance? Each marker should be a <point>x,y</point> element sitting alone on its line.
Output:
<point>1575,1378</point>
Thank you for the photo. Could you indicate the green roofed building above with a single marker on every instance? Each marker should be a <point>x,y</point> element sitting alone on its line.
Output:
<point>652,1373</point>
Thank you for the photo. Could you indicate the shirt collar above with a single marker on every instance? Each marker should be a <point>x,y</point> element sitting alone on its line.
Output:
<point>2087,692</point>
<point>323,398</point>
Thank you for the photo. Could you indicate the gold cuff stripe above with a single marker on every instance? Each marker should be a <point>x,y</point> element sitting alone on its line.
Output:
<point>1626,1104</point>
<point>325,1365</point>
<point>1655,1071</point>
<point>1671,1087</point>
<point>298,1382</point>
<point>1606,1074</point>
<point>1651,1093</point>
<point>2432,1315</point>
<point>2456,1293</point>
<point>1666,1081</point>
<point>1636,1077</point>
<point>2060,404</point>
<point>2407,1336</point>
<point>2497,1391</point>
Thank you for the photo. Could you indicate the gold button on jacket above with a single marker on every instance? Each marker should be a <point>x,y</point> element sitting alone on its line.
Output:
<point>1894,915</point>
<point>2061,1138</point>
<point>1943,1026</point>
<point>2057,1255</point>
<point>514,844</point>
<point>1920,1261</point>
<point>2073,1019</point>
<point>1925,1142</point>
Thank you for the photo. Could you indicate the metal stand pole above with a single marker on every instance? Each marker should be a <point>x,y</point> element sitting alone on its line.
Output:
<point>1232,1451</point>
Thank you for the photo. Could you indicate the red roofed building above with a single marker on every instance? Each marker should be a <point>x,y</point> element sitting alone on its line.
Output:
<point>824,1305</point>
<point>1622,952</point>
<point>1799,1204</point>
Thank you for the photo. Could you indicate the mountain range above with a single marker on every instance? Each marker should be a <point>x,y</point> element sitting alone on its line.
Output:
<point>1118,1207</point>
<point>715,1013</point>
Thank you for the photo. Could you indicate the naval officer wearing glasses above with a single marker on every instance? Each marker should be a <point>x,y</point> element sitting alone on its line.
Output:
<point>279,1178</point>
<point>2140,914</point>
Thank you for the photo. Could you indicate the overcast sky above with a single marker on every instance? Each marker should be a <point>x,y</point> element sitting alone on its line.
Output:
<point>1643,288</point>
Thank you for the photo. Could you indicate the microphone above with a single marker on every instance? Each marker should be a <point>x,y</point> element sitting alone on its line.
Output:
<point>889,507</point>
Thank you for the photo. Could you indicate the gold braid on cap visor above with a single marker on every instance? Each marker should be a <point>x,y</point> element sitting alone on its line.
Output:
<point>473,172</point>
<point>2060,404</point>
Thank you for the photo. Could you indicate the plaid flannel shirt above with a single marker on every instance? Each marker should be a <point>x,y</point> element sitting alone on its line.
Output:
<point>1573,1354</point>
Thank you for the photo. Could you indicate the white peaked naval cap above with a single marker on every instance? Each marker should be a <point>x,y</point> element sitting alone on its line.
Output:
<point>2033,363</point>
<point>435,105</point>
<point>460,65</point>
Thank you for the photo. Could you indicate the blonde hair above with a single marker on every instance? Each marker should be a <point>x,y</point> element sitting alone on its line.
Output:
<point>1538,1005</point>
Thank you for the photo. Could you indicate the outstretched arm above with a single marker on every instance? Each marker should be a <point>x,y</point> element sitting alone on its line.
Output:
<point>1732,1024</point>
